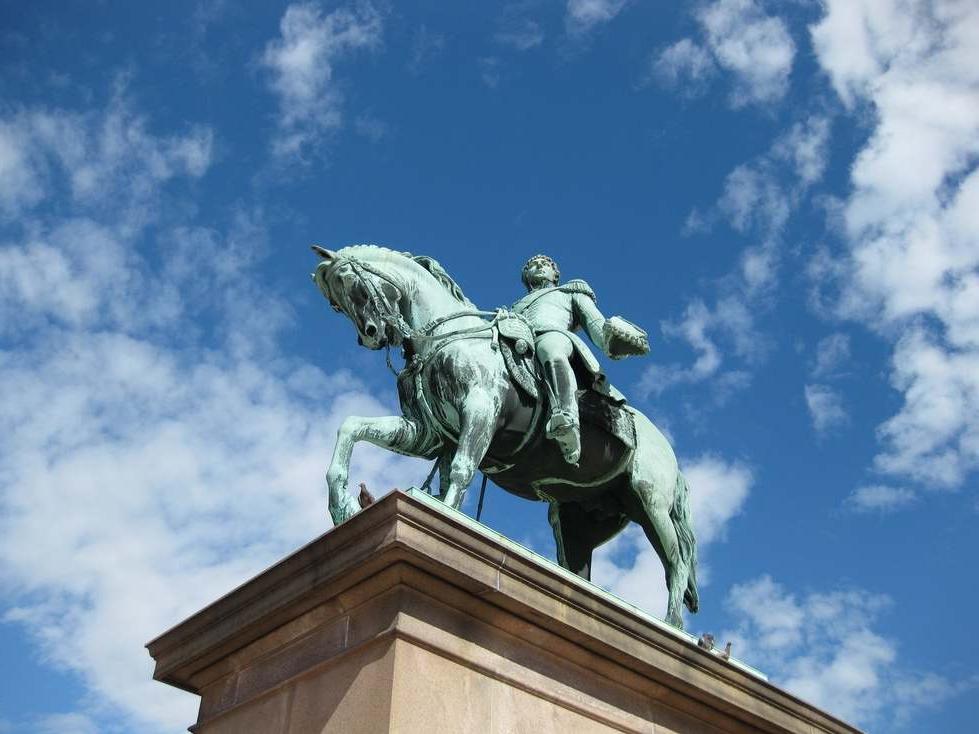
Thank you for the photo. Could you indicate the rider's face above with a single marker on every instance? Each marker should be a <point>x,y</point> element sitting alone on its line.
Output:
<point>541,272</point>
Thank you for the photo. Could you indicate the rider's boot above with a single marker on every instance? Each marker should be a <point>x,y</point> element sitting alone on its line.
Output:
<point>562,425</point>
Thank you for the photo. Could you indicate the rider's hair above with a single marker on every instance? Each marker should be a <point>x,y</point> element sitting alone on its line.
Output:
<point>531,261</point>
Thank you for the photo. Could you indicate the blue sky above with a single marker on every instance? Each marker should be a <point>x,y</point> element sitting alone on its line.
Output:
<point>784,194</point>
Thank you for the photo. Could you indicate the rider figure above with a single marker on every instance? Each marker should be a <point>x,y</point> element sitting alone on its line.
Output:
<point>555,312</point>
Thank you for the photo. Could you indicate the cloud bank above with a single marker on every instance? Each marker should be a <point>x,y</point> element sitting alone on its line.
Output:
<point>910,229</point>
<point>156,448</point>
<point>301,62</point>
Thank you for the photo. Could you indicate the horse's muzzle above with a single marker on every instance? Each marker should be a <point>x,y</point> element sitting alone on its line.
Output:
<point>371,337</point>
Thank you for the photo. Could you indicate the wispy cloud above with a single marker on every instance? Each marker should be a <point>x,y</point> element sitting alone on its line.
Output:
<point>301,61</point>
<point>705,329</point>
<point>102,161</point>
<point>880,498</point>
<point>65,724</point>
<point>832,352</point>
<point>685,66</point>
<point>517,29</point>
<point>911,242</point>
<point>148,441</point>
<point>629,567</point>
<point>753,48</point>
<point>823,647</point>
<point>826,408</point>
<point>426,45</point>
<point>757,200</point>
<point>584,15</point>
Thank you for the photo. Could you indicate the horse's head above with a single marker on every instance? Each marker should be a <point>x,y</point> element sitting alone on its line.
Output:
<point>364,294</point>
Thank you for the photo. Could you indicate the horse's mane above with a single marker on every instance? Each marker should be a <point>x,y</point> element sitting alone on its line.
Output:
<point>430,264</point>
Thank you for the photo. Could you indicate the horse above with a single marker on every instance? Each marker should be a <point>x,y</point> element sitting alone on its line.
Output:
<point>463,408</point>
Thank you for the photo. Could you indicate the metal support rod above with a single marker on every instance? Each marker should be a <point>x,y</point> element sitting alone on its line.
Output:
<point>427,486</point>
<point>482,493</point>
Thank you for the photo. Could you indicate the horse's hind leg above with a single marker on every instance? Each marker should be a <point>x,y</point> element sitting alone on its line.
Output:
<point>578,532</point>
<point>650,507</point>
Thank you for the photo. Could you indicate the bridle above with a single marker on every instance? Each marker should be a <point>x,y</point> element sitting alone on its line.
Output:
<point>392,316</point>
<point>385,313</point>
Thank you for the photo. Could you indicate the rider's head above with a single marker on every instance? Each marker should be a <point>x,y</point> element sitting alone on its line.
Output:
<point>540,271</point>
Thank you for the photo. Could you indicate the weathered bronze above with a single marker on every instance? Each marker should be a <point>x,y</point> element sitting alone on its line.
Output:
<point>517,394</point>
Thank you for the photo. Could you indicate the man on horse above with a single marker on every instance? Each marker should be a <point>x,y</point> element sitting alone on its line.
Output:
<point>555,312</point>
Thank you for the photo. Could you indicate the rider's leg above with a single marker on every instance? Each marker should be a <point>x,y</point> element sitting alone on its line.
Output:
<point>554,351</point>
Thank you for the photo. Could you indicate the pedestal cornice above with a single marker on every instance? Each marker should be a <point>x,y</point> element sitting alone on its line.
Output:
<point>409,569</point>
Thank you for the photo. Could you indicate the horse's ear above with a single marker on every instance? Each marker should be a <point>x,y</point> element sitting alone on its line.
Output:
<point>324,253</point>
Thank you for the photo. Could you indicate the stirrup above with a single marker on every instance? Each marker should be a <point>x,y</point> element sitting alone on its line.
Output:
<point>562,428</point>
<point>559,421</point>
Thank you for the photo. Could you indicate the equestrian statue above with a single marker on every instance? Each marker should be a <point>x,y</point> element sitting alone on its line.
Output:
<point>517,394</point>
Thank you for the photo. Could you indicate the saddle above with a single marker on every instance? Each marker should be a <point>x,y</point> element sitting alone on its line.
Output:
<point>607,427</point>
<point>516,342</point>
<point>598,409</point>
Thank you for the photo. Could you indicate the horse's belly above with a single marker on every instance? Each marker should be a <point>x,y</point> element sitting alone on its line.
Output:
<point>543,472</point>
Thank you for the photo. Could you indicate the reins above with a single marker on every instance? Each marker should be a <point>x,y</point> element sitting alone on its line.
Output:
<point>394,318</point>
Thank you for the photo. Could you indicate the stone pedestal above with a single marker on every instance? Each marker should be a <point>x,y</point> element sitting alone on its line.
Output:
<point>413,618</point>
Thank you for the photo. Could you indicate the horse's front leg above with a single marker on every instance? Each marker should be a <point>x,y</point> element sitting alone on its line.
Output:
<point>389,432</point>
<point>475,435</point>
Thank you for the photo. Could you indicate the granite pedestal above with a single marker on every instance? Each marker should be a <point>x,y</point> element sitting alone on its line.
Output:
<point>413,618</point>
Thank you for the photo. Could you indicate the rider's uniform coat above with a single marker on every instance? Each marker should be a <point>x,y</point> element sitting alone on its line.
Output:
<point>564,309</point>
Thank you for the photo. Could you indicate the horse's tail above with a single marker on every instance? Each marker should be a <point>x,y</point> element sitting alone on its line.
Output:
<point>682,523</point>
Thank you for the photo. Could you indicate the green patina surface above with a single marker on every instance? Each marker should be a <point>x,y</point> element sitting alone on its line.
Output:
<point>502,390</point>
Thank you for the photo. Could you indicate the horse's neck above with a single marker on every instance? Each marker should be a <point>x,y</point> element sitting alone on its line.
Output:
<point>425,301</point>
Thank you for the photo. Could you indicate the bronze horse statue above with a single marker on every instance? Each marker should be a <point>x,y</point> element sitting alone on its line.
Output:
<point>468,403</point>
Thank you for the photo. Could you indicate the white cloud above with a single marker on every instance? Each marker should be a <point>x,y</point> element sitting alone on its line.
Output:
<point>302,60</point>
<point>65,724</point>
<point>718,491</point>
<point>856,41</point>
<point>880,498</point>
<point>110,172</point>
<point>156,449</point>
<point>19,184</point>
<point>758,199</point>
<point>754,197</point>
<point>583,15</point>
<point>825,407</point>
<point>372,128</point>
<point>760,195</point>
<point>146,471</point>
<point>832,352</point>
<point>934,438</point>
<point>518,30</point>
<point>912,239</point>
<point>629,567</point>
<point>823,647</point>
<point>426,46</point>
<point>108,159</point>
<point>685,65</point>
<point>804,149</point>
<point>701,327</point>
<point>754,48</point>
<point>489,71</point>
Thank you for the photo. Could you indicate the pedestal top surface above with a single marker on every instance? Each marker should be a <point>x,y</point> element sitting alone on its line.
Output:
<point>417,532</point>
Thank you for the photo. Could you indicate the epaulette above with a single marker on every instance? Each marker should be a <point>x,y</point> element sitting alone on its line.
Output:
<point>578,286</point>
